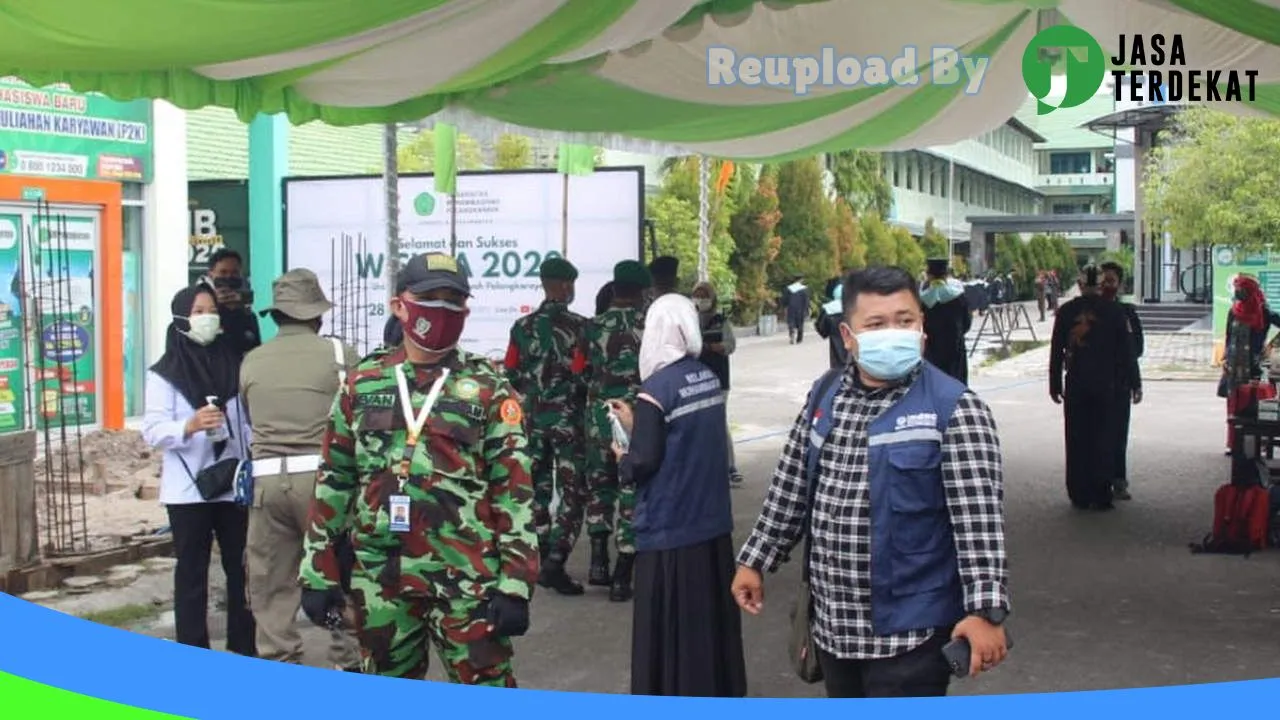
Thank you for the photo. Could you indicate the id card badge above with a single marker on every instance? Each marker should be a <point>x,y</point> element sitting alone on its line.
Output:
<point>399,508</point>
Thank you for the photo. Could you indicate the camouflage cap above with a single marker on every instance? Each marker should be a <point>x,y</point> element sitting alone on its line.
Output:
<point>297,294</point>
<point>432,271</point>
<point>631,272</point>
<point>557,268</point>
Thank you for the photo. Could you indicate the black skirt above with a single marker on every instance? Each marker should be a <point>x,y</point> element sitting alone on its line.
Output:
<point>686,636</point>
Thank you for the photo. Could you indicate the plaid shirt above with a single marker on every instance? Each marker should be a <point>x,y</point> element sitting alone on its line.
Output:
<point>840,570</point>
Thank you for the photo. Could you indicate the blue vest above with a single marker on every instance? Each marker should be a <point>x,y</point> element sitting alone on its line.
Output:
<point>915,580</point>
<point>687,501</point>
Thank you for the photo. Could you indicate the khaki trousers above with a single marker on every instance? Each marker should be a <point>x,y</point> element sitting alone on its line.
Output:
<point>277,525</point>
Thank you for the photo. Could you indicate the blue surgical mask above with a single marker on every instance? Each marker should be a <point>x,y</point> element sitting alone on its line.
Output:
<point>889,354</point>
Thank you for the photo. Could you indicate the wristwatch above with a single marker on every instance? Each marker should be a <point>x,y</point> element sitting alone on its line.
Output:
<point>995,616</point>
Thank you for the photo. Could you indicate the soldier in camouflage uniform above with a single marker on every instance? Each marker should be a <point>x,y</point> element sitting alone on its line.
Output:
<point>425,459</point>
<point>612,341</point>
<point>545,363</point>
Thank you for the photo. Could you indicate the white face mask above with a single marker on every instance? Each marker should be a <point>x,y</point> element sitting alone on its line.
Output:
<point>204,328</point>
<point>703,304</point>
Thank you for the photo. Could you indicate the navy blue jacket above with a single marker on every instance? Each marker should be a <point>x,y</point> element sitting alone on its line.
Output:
<point>915,574</point>
<point>679,460</point>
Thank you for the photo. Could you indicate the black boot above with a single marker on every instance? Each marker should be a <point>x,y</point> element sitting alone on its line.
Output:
<point>620,591</point>
<point>598,575</point>
<point>553,576</point>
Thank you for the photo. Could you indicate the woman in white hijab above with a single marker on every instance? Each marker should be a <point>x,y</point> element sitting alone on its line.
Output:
<point>687,630</point>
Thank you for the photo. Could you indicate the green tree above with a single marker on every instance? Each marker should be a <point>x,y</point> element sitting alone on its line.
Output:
<point>933,242</point>
<point>513,152</point>
<point>419,153</point>
<point>807,249</point>
<point>1216,180</point>
<point>755,245</point>
<point>680,182</point>
<point>859,179</point>
<point>846,234</point>
<point>882,246</point>
<point>910,255</point>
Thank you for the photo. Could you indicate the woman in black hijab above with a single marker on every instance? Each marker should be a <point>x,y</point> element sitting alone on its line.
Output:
<point>194,416</point>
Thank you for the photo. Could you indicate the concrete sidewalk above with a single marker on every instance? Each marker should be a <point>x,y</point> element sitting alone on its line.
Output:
<point>1100,600</point>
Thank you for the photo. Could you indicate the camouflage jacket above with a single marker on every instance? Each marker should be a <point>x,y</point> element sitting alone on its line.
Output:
<point>612,347</point>
<point>545,363</point>
<point>471,514</point>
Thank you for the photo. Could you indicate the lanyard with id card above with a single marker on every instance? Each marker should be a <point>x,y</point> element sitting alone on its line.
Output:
<point>398,504</point>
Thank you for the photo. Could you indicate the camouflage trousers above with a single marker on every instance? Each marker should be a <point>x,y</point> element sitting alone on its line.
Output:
<point>606,490</point>
<point>394,632</point>
<point>556,454</point>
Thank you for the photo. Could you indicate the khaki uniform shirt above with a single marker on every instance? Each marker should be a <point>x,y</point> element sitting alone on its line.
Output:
<point>289,384</point>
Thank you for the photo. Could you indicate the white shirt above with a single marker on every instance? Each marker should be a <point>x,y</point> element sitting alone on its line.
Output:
<point>167,412</point>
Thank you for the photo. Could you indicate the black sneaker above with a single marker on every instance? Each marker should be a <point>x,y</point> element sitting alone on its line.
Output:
<point>736,478</point>
<point>1121,495</point>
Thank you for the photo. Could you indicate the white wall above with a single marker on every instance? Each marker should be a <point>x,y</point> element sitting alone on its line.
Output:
<point>165,252</point>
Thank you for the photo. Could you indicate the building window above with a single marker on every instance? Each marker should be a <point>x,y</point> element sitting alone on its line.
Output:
<point>1073,163</point>
<point>1071,208</point>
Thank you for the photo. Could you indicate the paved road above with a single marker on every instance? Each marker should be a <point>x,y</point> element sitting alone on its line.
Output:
<point>1102,601</point>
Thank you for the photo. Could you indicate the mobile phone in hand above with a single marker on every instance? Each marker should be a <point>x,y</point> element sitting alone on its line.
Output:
<point>959,651</point>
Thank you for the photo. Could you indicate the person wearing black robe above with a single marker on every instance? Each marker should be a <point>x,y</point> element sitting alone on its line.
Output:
<point>797,304</point>
<point>830,315</point>
<point>946,321</point>
<point>1092,346</point>
<point>1112,279</point>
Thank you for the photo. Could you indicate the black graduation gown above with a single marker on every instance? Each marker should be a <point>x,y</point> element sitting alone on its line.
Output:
<point>1124,399</point>
<point>945,326</point>
<point>798,310</point>
<point>1092,346</point>
<point>828,327</point>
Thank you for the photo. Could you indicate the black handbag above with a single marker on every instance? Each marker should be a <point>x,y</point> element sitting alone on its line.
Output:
<point>217,479</point>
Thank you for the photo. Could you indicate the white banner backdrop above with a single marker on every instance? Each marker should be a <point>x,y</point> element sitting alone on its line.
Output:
<point>507,224</point>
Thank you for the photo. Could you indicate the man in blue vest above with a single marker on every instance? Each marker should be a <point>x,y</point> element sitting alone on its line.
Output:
<point>893,472</point>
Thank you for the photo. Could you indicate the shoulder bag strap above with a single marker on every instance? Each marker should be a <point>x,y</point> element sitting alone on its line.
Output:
<point>821,388</point>
<point>339,359</point>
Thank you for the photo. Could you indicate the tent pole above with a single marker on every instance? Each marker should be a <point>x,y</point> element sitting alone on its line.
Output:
<point>564,217</point>
<point>951,198</point>
<point>704,228</point>
<point>391,181</point>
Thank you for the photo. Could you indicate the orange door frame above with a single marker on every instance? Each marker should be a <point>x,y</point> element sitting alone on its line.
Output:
<point>106,196</point>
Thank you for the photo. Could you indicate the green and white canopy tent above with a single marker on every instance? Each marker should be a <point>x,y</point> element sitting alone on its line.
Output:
<point>622,74</point>
<point>616,73</point>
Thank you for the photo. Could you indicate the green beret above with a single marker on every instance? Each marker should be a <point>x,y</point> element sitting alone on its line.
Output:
<point>631,272</point>
<point>557,268</point>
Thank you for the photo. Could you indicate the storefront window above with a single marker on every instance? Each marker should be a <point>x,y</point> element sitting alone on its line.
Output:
<point>135,345</point>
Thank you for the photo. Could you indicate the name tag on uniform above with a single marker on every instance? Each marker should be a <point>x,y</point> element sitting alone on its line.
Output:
<point>376,400</point>
<point>399,508</point>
